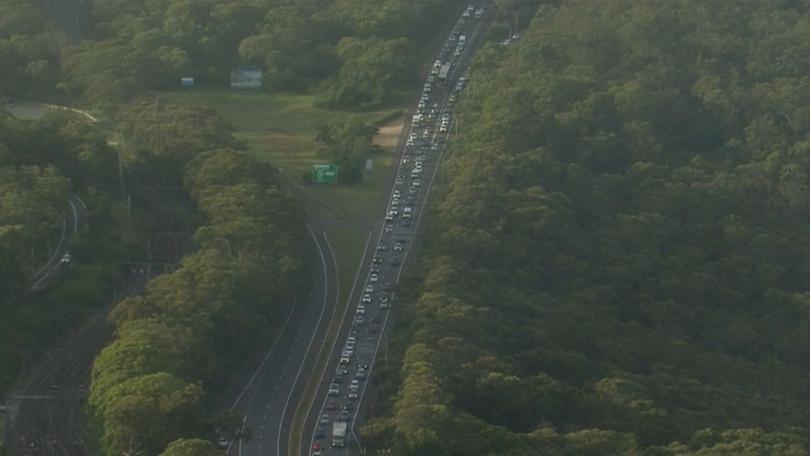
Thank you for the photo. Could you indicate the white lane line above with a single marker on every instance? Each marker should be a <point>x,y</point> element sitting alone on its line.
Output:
<point>309,346</point>
<point>266,357</point>
<point>399,272</point>
<point>340,329</point>
<point>58,247</point>
<point>75,216</point>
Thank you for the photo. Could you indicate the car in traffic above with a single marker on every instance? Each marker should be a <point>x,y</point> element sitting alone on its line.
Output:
<point>334,389</point>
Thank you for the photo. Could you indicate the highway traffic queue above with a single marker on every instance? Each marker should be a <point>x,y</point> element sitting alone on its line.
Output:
<point>426,141</point>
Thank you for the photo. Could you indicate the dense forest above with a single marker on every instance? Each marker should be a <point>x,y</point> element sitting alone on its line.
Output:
<point>41,164</point>
<point>618,261</point>
<point>155,382</point>
<point>354,53</point>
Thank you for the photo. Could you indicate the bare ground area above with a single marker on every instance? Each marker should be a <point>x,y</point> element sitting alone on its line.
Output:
<point>388,134</point>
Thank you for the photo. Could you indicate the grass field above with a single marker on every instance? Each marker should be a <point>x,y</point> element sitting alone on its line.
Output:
<point>278,128</point>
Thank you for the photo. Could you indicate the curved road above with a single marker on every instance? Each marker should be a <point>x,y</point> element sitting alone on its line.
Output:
<point>75,219</point>
<point>272,390</point>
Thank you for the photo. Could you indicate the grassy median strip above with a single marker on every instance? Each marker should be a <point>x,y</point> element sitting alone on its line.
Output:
<point>279,128</point>
<point>298,426</point>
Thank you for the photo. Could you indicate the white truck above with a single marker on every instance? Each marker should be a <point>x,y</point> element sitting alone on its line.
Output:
<point>339,434</point>
<point>444,72</point>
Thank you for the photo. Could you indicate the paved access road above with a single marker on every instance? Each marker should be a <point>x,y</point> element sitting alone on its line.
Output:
<point>75,219</point>
<point>271,393</point>
<point>345,383</point>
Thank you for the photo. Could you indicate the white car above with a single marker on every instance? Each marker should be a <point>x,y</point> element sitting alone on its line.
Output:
<point>366,298</point>
<point>374,277</point>
<point>369,288</point>
<point>66,258</point>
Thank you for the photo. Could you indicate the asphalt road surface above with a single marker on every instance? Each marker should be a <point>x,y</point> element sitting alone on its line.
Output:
<point>75,219</point>
<point>271,393</point>
<point>345,384</point>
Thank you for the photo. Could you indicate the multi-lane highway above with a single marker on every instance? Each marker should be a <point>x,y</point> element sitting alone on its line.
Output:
<point>338,408</point>
<point>271,393</point>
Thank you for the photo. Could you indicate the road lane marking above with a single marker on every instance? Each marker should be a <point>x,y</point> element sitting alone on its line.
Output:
<point>266,357</point>
<point>311,340</point>
<point>415,227</point>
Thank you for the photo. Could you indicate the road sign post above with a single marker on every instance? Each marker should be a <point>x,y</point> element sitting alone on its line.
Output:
<point>324,174</point>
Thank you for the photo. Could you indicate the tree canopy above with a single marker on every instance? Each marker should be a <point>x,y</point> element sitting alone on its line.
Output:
<point>355,53</point>
<point>174,342</point>
<point>618,260</point>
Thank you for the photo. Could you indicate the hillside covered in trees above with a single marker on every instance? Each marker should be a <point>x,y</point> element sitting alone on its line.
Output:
<point>41,164</point>
<point>354,53</point>
<point>619,261</point>
<point>155,383</point>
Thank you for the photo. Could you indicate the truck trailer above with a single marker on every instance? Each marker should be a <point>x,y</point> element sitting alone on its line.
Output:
<point>444,71</point>
<point>339,434</point>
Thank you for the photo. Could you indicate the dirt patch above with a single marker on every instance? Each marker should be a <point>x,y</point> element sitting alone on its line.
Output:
<point>388,134</point>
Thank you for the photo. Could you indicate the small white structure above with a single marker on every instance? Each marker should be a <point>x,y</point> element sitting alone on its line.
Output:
<point>187,82</point>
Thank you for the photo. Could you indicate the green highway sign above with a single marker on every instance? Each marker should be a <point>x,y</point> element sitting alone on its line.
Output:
<point>324,174</point>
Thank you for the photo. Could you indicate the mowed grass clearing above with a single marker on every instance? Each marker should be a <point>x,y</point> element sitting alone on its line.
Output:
<point>278,128</point>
